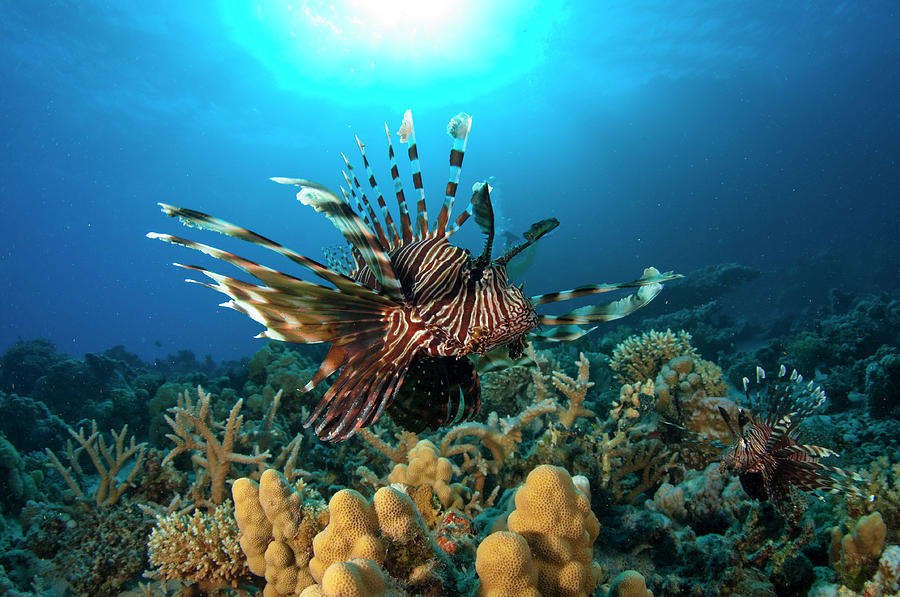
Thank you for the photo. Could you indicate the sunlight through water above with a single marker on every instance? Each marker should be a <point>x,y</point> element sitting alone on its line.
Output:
<point>365,51</point>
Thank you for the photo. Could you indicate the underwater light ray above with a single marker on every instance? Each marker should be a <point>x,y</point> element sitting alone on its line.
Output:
<point>362,51</point>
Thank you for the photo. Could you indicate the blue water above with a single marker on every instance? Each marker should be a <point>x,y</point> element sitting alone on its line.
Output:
<point>669,134</point>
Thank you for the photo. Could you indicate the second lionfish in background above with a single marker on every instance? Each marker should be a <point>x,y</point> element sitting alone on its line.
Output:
<point>408,323</point>
<point>767,455</point>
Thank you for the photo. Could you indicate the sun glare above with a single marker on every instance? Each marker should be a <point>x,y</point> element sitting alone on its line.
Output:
<point>382,48</point>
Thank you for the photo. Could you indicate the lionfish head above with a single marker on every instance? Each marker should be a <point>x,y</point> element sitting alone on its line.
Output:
<point>746,448</point>
<point>506,313</point>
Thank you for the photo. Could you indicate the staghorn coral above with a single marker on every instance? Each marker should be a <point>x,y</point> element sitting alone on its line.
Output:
<point>194,431</point>
<point>108,464</point>
<point>483,448</point>
<point>202,549</point>
<point>575,390</point>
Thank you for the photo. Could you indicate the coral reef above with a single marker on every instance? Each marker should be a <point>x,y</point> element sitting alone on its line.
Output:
<point>201,548</point>
<point>108,464</point>
<point>479,508</point>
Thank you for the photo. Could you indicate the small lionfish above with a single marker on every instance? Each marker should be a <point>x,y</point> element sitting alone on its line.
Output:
<point>402,324</point>
<point>766,455</point>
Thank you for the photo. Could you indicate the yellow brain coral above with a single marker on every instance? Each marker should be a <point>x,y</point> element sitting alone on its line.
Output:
<point>357,578</point>
<point>277,531</point>
<point>397,515</point>
<point>630,583</point>
<point>351,533</point>
<point>427,467</point>
<point>505,566</point>
<point>557,523</point>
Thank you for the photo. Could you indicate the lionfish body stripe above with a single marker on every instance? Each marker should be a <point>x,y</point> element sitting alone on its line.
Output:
<point>409,324</point>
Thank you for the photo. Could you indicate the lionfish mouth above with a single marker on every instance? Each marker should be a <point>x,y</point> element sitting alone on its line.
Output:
<point>405,323</point>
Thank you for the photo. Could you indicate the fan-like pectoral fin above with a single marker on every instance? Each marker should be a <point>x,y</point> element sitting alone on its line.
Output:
<point>562,333</point>
<point>608,312</point>
<point>373,362</point>
<point>354,229</point>
<point>651,276</point>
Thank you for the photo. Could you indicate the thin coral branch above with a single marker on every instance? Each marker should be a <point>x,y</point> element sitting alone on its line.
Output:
<point>396,454</point>
<point>575,390</point>
<point>108,464</point>
<point>65,472</point>
<point>193,431</point>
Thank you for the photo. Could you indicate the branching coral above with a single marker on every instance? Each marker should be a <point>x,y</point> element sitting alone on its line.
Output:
<point>201,548</point>
<point>108,463</point>
<point>193,428</point>
<point>575,390</point>
<point>639,358</point>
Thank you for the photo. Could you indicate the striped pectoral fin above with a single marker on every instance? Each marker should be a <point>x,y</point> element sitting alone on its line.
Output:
<point>354,229</point>
<point>812,476</point>
<point>608,312</point>
<point>368,379</point>
<point>192,218</point>
<point>651,276</point>
<point>561,333</point>
<point>318,314</point>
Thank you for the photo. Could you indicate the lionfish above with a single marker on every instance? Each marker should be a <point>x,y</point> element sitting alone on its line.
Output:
<point>406,325</point>
<point>766,455</point>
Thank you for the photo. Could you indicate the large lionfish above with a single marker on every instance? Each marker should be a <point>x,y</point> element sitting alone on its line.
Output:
<point>402,324</point>
<point>766,455</point>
